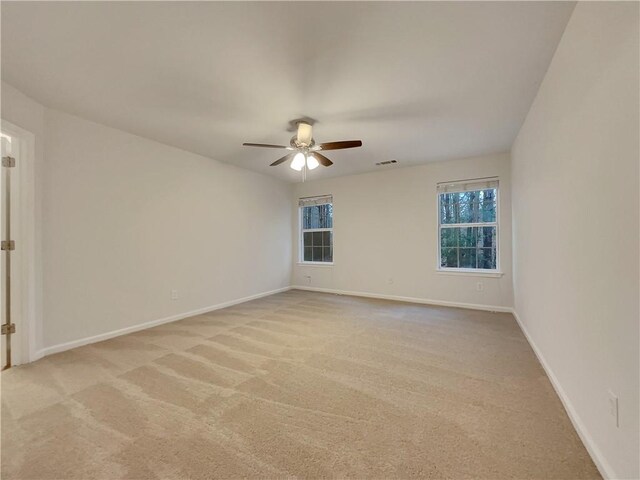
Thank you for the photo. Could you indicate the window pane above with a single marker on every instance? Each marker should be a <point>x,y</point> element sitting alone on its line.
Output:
<point>306,239</point>
<point>317,216</point>
<point>317,239</point>
<point>307,254</point>
<point>449,237</point>
<point>467,258</point>
<point>468,207</point>
<point>326,254</point>
<point>488,205</point>
<point>468,247</point>
<point>317,254</point>
<point>449,257</point>
<point>468,236</point>
<point>487,258</point>
<point>487,237</point>
<point>326,239</point>
<point>449,208</point>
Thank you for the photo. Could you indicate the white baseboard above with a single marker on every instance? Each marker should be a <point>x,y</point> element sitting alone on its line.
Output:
<point>426,301</point>
<point>35,355</point>
<point>153,323</point>
<point>601,463</point>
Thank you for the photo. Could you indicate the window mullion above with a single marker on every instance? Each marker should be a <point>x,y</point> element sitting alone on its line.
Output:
<point>465,225</point>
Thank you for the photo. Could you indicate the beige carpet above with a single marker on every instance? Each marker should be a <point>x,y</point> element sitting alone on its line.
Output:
<point>298,384</point>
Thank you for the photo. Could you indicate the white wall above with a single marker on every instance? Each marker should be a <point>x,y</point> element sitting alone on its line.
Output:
<point>385,227</point>
<point>125,220</point>
<point>575,211</point>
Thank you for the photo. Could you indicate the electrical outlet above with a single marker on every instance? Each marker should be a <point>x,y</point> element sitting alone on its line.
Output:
<point>479,286</point>
<point>390,281</point>
<point>308,277</point>
<point>174,294</point>
<point>613,408</point>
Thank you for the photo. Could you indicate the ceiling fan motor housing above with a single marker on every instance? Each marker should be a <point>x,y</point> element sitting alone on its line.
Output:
<point>295,143</point>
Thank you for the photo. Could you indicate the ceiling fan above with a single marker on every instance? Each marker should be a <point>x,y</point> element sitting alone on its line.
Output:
<point>305,151</point>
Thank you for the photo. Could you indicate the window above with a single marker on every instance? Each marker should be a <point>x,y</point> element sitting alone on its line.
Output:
<point>468,225</point>
<point>316,229</point>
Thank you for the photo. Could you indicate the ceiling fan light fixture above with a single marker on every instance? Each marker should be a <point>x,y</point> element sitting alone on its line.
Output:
<point>298,161</point>
<point>312,162</point>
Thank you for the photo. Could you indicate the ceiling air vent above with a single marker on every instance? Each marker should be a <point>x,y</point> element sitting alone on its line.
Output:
<point>388,162</point>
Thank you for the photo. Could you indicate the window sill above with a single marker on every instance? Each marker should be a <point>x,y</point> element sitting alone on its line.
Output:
<point>470,273</point>
<point>314,264</point>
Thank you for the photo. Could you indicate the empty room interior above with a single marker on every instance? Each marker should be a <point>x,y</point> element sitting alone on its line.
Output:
<point>369,240</point>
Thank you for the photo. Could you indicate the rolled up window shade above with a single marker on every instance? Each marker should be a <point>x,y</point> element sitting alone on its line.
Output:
<point>309,201</point>
<point>468,185</point>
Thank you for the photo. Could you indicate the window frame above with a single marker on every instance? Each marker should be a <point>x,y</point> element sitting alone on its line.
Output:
<point>302,231</point>
<point>480,272</point>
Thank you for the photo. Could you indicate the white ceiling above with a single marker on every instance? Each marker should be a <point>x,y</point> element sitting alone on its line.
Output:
<point>416,82</point>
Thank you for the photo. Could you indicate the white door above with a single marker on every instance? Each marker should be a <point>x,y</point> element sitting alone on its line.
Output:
<point>10,304</point>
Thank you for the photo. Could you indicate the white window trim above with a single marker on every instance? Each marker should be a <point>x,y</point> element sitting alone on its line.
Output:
<point>471,272</point>
<point>301,232</point>
<point>315,264</point>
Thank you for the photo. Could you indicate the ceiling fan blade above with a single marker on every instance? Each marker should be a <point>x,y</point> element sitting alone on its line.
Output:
<point>322,160</point>
<point>340,145</point>
<point>265,145</point>
<point>281,160</point>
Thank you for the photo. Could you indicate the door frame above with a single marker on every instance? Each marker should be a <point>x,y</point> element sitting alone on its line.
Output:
<point>23,258</point>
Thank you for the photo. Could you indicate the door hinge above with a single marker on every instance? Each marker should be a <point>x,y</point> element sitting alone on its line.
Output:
<point>7,329</point>
<point>8,162</point>
<point>8,245</point>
